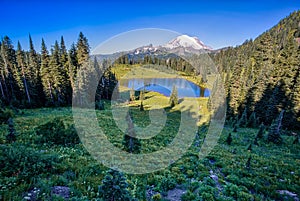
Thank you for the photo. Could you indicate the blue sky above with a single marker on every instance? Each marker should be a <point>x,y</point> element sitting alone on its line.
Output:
<point>216,23</point>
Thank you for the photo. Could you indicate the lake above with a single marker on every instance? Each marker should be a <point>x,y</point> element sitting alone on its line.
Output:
<point>164,86</point>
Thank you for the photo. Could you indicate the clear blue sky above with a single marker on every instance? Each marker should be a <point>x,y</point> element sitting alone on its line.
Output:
<point>216,23</point>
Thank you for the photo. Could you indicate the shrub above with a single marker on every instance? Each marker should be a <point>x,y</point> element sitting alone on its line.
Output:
<point>5,115</point>
<point>188,196</point>
<point>114,187</point>
<point>23,162</point>
<point>156,197</point>
<point>11,136</point>
<point>167,183</point>
<point>229,139</point>
<point>55,132</point>
<point>207,197</point>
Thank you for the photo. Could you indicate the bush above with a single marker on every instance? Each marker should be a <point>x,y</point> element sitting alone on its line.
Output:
<point>156,197</point>
<point>11,136</point>
<point>188,196</point>
<point>55,132</point>
<point>5,115</point>
<point>23,162</point>
<point>114,187</point>
<point>167,183</point>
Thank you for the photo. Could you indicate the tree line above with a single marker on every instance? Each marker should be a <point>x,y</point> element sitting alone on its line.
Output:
<point>262,76</point>
<point>37,79</point>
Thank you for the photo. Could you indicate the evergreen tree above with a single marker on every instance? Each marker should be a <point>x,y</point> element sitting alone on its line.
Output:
<point>252,123</point>
<point>248,163</point>
<point>296,141</point>
<point>255,141</point>
<point>142,99</point>
<point>173,97</point>
<point>11,136</point>
<point>229,139</point>
<point>274,130</point>
<point>72,64</point>
<point>46,74</point>
<point>249,148</point>
<point>141,106</point>
<point>34,75</point>
<point>243,120</point>
<point>114,187</point>
<point>130,142</point>
<point>57,74</point>
<point>132,94</point>
<point>63,54</point>
<point>8,70</point>
<point>21,60</point>
<point>261,131</point>
<point>83,50</point>
<point>235,128</point>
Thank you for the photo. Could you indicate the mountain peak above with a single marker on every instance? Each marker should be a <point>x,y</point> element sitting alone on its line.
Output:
<point>186,41</point>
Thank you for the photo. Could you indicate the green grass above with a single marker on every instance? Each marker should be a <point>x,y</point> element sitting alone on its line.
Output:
<point>273,167</point>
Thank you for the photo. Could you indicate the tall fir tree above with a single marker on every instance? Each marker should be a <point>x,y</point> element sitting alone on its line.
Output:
<point>130,142</point>
<point>173,100</point>
<point>275,128</point>
<point>21,60</point>
<point>34,75</point>
<point>83,50</point>
<point>72,64</point>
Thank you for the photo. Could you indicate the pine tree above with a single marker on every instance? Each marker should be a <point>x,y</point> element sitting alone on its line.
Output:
<point>235,128</point>
<point>21,60</point>
<point>261,131</point>
<point>11,136</point>
<point>46,76</point>
<point>114,187</point>
<point>229,139</point>
<point>252,123</point>
<point>248,163</point>
<point>274,130</point>
<point>296,141</point>
<point>130,142</point>
<point>141,106</point>
<point>255,142</point>
<point>173,97</point>
<point>83,50</point>
<point>63,54</point>
<point>57,75</point>
<point>142,99</point>
<point>72,64</point>
<point>243,120</point>
<point>34,77</point>
<point>132,94</point>
<point>8,70</point>
<point>249,148</point>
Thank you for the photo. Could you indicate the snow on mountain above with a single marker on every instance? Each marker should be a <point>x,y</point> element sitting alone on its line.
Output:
<point>187,42</point>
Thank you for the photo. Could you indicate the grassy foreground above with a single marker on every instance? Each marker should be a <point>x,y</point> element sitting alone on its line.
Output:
<point>225,174</point>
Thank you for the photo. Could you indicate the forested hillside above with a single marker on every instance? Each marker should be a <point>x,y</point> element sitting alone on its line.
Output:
<point>262,76</point>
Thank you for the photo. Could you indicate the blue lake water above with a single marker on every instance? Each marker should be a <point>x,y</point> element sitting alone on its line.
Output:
<point>164,86</point>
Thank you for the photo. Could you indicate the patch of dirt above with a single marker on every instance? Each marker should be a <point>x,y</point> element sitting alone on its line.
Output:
<point>61,191</point>
<point>289,194</point>
<point>175,194</point>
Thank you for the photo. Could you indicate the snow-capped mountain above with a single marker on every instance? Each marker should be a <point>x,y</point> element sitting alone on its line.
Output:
<point>187,42</point>
<point>180,45</point>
